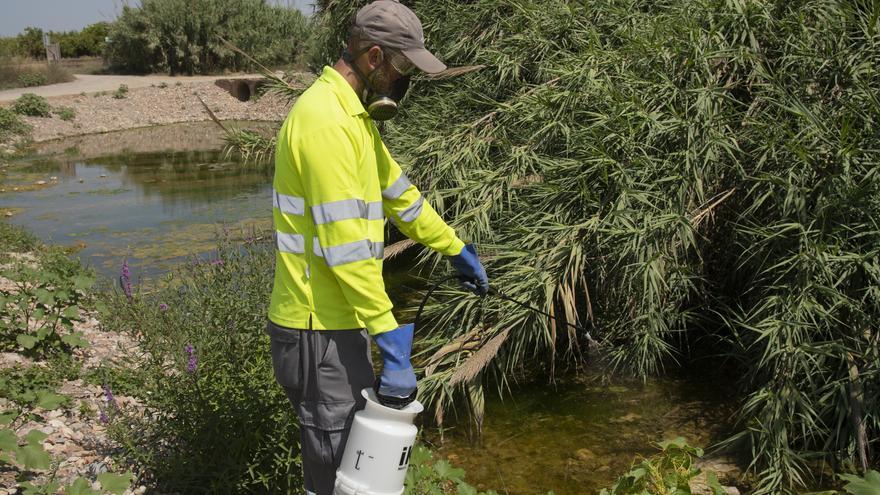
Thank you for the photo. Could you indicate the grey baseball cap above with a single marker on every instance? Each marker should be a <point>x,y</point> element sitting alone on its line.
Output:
<point>391,24</point>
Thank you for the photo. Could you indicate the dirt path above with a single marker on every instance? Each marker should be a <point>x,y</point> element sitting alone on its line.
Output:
<point>85,83</point>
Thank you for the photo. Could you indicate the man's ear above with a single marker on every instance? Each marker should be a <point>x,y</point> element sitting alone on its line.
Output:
<point>375,57</point>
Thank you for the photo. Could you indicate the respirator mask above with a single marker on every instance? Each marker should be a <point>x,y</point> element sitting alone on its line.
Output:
<point>382,105</point>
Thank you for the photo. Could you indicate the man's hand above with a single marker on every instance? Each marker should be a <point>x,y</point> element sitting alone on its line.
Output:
<point>396,386</point>
<point>472,275</point>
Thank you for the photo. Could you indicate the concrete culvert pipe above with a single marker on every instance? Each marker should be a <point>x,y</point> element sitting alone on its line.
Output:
<point>242,89</point>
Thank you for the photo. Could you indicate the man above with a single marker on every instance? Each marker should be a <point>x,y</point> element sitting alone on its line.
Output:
<point>335,182</point>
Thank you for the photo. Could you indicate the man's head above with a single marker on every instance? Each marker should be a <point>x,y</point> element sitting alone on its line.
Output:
<point>386,45</point>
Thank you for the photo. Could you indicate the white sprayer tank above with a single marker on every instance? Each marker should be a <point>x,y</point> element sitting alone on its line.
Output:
<point>377,453</point>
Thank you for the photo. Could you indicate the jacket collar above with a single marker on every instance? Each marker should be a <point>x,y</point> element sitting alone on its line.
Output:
<point>347,97</point>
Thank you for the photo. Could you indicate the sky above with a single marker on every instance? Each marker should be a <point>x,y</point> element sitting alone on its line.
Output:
<point>70,15</point>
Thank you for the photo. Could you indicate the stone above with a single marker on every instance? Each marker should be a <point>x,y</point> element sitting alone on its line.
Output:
<point>8,214</point>
<point>53,178</point>
<point>628,418</point>
<point>41,182</point>
<point>584,455</point>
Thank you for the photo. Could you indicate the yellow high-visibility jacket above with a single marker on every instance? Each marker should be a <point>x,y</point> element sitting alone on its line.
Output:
<point>335,183</point>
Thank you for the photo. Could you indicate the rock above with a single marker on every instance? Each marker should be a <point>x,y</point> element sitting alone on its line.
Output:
<point>81,181</point>
<point>8,214</point>
<point>53,178</point>
<point>584,455</point>
<point>41,182</point>
<point>102,175</point>
<point>629,418</point>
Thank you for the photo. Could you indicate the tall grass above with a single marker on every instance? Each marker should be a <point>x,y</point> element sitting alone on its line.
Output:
<point>17,72</point>
<point>696,177</point>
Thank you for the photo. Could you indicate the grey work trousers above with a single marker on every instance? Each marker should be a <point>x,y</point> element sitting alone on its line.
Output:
<point>322,373</point>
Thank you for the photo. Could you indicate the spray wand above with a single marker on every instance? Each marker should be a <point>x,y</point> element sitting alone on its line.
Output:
<point>492,290</point>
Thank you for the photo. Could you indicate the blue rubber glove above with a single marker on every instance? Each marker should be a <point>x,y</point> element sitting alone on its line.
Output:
<point>398,380</point>
<point>472,275</point>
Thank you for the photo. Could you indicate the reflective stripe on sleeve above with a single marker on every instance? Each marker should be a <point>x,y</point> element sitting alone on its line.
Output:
<point>349,252</point>
<point>412,211</point>
<point>292,205</point>
<point>290,243</point>
<point>397,189</point>
<point>345,209</point>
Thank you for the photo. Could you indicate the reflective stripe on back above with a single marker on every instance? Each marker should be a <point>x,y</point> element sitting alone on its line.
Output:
<point>290,243</point>
<point>412,211</point>
<point>346,209</point>
<point>349,252</point>
<point>397,189</point>
<point>291,205</point>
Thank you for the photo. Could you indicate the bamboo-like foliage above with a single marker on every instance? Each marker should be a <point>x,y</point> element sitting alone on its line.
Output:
<point>684,173</point>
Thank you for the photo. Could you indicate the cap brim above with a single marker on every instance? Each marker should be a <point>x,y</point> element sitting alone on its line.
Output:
<point>425,60</point>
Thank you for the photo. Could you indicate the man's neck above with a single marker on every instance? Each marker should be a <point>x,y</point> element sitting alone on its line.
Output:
<point>346,72</point>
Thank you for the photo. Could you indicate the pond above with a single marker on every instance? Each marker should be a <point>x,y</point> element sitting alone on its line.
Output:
<point>156,196</point>
<point>151,196</point>
<point>577,437</point>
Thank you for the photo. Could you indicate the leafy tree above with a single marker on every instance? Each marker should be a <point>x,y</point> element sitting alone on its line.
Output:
<point>161,35</point>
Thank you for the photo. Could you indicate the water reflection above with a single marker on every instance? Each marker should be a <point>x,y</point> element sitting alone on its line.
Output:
<point>153,207</point>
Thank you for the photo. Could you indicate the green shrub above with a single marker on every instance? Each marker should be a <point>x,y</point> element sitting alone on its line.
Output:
<point>221,424</point>
<point>41,304</point>
<point>65,113</point>
<point>32,105</point>
<point>30,79</point>
<point>427,476</point>
<point>11,124</point>
<point>670,471</point>
<point>121,92</point>
<point>163,35</point>
<point>13,238</point>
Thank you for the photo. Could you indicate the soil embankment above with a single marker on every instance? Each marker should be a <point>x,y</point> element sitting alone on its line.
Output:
<point>159,104</point>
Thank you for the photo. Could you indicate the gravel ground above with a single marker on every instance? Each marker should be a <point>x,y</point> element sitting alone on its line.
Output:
<point>76,436</point>
<point>143,107</point>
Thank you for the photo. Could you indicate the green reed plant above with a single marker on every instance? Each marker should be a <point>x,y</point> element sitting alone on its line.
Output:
<point>696,178</point>
<point>217,421</point>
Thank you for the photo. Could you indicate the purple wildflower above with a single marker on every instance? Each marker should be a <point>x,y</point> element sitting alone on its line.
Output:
<point>163,307</point>
<point>108,396</point>
<point>216,262</point>
<point>125,279</point>
<point>102,417</point>
<point>193,362</point>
